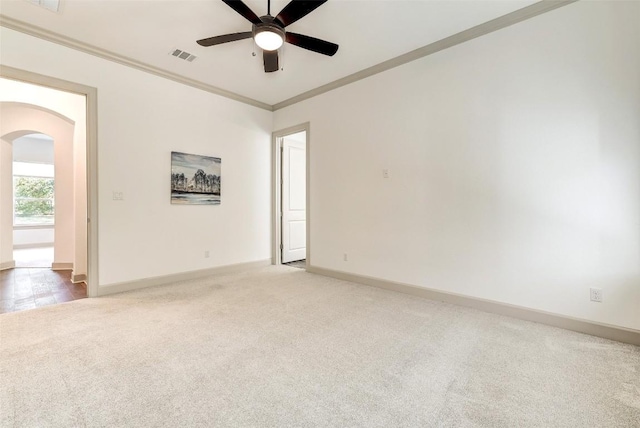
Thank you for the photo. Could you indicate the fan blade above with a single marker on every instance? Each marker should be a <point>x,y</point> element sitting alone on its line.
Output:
<point>312,44</point>
<point>297,9</point>
<point>243,10</point>
<point>270,61</point>
<point>217,40</point>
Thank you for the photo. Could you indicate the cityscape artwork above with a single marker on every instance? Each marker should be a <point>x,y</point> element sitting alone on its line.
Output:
<point>195,179</point>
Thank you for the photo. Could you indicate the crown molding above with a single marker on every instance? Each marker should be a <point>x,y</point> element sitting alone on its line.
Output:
<point>503,21</point>
<point>461,37</point>
<point>50,36</point>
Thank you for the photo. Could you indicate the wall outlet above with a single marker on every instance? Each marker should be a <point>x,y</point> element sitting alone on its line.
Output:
<point>344,257</point>
<point>206,254</point>
<point>117,196</point>
<point>596,294</point>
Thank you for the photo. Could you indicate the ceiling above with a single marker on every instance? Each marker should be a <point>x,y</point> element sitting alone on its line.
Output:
<point>368,32</point>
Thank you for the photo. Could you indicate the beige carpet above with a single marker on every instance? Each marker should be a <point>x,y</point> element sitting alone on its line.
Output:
<point>279,347</point>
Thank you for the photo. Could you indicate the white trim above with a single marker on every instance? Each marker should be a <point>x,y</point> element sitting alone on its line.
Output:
<point>34,246</point>
<point>276,179</point>
<point>461,37</point>
<point>177,277</point>
<point>7,265</point>
<point>32,30</point>
<point>607,331</point>
<point>76,279</point>
<point>33,226</point>
<point>91,95</point>
<point>61,266</point>
<point>92,192</point>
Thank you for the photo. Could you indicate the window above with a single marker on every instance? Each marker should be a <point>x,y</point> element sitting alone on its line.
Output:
<point>33,190</point>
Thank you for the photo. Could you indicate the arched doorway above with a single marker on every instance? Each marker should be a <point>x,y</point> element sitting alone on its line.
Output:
<point>70,201</point>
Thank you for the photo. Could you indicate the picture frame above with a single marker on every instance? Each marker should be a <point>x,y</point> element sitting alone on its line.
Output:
<point>195,179</point>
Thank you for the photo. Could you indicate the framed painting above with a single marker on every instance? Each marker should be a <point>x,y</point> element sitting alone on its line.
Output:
<point>195,179</point>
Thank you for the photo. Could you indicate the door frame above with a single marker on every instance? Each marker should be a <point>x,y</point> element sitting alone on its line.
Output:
<point>91,95</point>
<point>276,190</point>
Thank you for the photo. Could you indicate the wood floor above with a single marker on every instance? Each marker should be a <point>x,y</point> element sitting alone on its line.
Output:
<point>28,288</point>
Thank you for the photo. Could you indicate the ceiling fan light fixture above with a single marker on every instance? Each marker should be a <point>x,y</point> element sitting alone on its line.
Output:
<point>268,32</point>
<point>268,39</point>
<point>268,35</point>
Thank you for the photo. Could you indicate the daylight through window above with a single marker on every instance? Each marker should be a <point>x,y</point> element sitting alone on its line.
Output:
<point>33,190</point>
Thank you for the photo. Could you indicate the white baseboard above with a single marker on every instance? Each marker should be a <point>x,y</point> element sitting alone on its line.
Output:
<point>77,278</point>
<point>183,276</point>
<point>61,266</point>
<point>8,265</point>
<point>606,331</point>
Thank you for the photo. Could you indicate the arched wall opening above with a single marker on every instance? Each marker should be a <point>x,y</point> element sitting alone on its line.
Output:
<point>70,244</point>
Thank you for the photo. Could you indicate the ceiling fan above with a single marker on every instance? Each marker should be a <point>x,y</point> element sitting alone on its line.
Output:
<point>269,32</point>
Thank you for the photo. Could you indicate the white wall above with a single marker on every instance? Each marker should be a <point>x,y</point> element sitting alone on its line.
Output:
<point>141,119</point>
<point>514,166</point>
<point>33,237</point>
<point>33,150</point>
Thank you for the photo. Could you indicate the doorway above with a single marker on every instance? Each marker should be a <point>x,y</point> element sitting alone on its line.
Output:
<point>39,109</point>
<point>33,201</point>
<point>291,201</point>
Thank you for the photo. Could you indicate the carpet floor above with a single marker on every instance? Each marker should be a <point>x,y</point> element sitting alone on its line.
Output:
<point>280,347</point>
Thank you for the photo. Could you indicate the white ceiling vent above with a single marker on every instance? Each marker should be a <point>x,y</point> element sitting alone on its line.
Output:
<point>183,55</point>
<point>52,5</point>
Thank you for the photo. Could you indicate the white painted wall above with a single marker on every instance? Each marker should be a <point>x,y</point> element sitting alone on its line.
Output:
<point>33,150</point>
<point>33,237</point>
<point>514,166</point>
<point>141,119</point>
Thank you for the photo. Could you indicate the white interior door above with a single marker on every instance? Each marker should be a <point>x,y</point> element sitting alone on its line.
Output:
<point>294,198</point>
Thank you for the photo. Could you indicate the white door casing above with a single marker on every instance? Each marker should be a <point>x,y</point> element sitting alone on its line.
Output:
<point>294,200</point>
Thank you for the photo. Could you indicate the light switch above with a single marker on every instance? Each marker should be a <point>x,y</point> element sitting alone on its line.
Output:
<point>385,173</point>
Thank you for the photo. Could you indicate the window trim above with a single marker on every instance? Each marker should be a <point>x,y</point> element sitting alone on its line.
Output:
<point>33,226</point>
